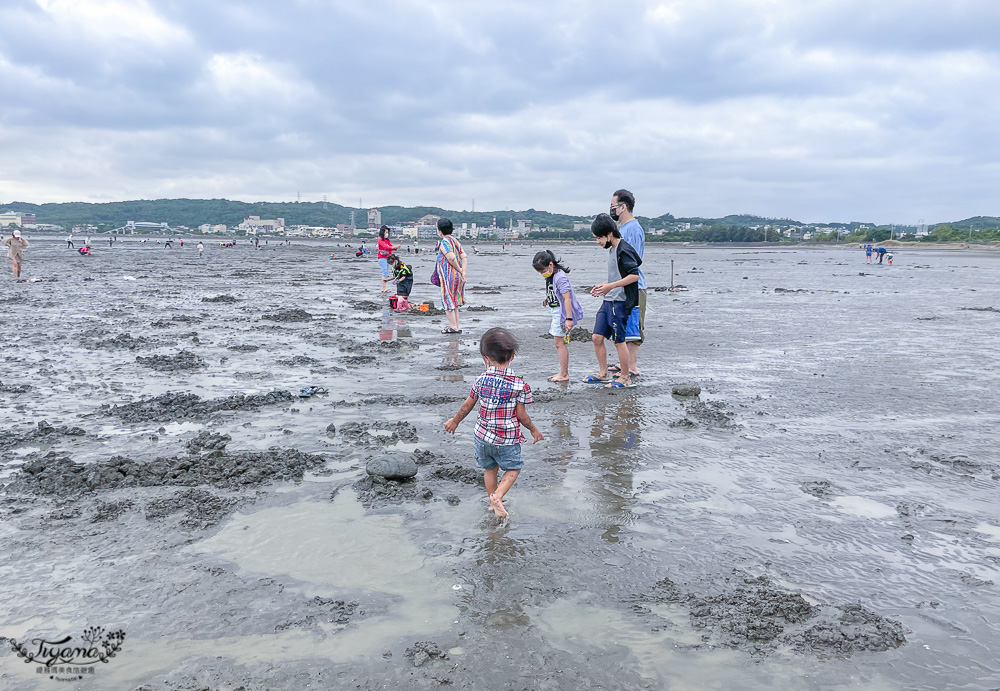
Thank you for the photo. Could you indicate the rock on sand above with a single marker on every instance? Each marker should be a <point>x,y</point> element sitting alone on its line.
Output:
<point>392,468</point>
<point>686,389</point>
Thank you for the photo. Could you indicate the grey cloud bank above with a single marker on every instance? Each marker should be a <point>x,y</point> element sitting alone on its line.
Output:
<point>817,111</point>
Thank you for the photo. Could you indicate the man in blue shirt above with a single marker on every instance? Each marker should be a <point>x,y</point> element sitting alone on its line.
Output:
<point>622,205</point>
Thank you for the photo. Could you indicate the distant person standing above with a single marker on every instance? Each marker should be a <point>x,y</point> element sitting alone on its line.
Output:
<point>451,267</point>
<point>201,248</point>
<point>69,242</point>
<point>86,241</point>
<point>15,245</point>
<point>868,254</point>
<point>385,250</point>
<point>622,205</point>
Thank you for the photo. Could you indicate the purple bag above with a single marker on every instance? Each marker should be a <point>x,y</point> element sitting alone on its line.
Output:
<point>435,279</point>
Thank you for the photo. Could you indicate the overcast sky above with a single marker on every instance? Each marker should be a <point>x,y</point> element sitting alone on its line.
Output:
<point>818,110</point>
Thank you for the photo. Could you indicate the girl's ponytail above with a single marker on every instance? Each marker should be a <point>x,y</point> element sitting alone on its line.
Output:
<point>542,260</point>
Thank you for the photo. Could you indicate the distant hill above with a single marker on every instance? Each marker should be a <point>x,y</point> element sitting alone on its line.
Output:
<point>194,212</point>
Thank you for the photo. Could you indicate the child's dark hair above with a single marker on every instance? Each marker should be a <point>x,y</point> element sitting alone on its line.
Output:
<point>603,226</point>
<point>393,260</point>
<point>544,258</point>
<point>498,344</point>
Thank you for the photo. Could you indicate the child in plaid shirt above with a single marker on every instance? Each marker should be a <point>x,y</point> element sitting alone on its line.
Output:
<point>502,396</point>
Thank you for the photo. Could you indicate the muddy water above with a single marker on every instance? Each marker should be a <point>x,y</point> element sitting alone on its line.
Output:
<point>842,454</point>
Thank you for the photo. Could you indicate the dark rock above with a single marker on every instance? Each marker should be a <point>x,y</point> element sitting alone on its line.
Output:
<point>686,389</point>
<point>227,299</point>
<point>392,468</point>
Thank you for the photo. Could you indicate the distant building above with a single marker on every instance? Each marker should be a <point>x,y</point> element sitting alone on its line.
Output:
<point>16,218</point>
<point>209,228</point>
<point>579,226</point>
<point>256,224</point>
<point>345,229</point>
<point>428,220</point>
<point>523,227</point>
<point>374,220</point>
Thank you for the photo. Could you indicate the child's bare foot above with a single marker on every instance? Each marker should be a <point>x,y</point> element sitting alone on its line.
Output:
<point>559,377</point>
<point>498,510</point>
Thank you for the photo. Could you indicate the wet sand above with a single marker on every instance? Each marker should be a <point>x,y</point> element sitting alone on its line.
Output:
<point>823,515</point>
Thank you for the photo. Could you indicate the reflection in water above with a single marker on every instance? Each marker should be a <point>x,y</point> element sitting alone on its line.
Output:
<point>392,327</point>
<point>616,429</point>
<point>452,360</point>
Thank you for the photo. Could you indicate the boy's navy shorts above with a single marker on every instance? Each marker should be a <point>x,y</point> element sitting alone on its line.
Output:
<point>611,320</point>
<point>489,456</point>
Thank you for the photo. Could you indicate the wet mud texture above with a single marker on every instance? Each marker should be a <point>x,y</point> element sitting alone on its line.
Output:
<point>57,475</point>
<point>754,615</point>
<point>177,406</point>
<point>822,515</point>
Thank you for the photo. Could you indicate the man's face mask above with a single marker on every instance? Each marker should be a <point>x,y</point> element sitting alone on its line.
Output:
<point>614,213</point>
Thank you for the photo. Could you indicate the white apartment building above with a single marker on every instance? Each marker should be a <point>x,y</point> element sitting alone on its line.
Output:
<point>256,224</point>
<point>374,220</point>
<point>209,228</point>
<point>17,218</point>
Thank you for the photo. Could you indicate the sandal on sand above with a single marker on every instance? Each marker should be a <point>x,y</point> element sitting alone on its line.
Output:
<point>450,330</point>
<point>619,385</point>
<point>614,369</point>
<point>594,379</point>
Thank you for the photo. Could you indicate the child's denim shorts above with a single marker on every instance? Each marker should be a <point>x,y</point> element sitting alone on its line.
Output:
<point>489,456</point>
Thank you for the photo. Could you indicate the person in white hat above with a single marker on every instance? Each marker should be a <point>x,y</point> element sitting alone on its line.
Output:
<point>15,251</point>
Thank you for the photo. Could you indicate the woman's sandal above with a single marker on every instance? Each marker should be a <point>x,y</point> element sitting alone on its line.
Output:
<point>450,330</point>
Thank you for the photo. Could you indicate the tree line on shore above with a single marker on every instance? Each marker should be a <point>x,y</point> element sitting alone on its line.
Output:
<point>734,228</point>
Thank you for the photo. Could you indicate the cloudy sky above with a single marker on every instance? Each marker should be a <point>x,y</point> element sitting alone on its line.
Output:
<point>819,110</point>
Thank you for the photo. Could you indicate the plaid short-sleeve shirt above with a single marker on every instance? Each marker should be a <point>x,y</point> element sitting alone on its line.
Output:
<point>498,391</point>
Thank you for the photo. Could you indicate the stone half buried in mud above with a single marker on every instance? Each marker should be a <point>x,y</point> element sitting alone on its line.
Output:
<point>686,389</point>
<point>392,467</point>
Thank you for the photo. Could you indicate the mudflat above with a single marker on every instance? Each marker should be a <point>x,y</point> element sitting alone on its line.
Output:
<point>238,460</point>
